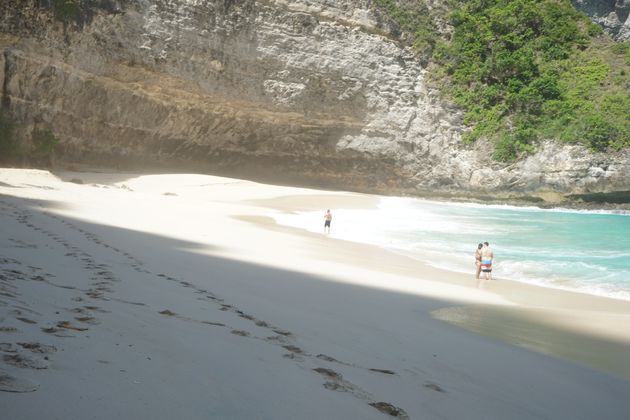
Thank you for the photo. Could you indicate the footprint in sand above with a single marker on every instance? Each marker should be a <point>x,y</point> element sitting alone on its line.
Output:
<point>333,360</point>
<point>168,312</point>
<point>390,409</point>
<point>25,361</point>
<point>87,320</point>
<point>56,332</point>
<point>335,380</point>
<point>329,373</point>
<point>9,383</point>
<point>293,349</point>
<point>216,324</point>
<point>38,347</point>
<point>79,310</point>
<point>8,348</point>
<point>25,320</point>
<point>95,294</point>
<point>327,358</point>
<point>9,329</point>
<point>245,316</point>
<point>385,371</point>
<point>434,387</point>
<point>96,309</point>
<point>69,326</point>
<point>295,353</point>
<point>277,339</point>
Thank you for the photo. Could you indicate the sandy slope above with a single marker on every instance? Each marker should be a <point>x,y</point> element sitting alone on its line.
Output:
<point>174,296</point>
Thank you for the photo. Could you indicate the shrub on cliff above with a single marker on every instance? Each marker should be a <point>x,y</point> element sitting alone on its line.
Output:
<point>525,70</point>
<point>498,60</point>
<point>414,21</point>
<point>67,10</point>
<point>80,12</point>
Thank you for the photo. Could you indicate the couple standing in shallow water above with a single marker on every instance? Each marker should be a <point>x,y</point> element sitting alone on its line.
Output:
<point>483,261</point>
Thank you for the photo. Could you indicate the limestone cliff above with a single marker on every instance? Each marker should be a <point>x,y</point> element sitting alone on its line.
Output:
<point>310,91</point>
<point>612,15</point>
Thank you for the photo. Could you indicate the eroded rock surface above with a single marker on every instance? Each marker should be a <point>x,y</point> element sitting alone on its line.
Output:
<point>612,15</point>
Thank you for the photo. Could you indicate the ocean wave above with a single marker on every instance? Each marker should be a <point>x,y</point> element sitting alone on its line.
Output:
<point>410,201</point>
<point>532,245</point>
<point>601,283</point>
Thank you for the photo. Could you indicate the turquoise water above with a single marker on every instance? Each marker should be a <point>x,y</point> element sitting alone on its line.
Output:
<point>576,250</point>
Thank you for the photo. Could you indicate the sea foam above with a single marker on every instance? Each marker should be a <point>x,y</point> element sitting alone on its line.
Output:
<point>586,251</point>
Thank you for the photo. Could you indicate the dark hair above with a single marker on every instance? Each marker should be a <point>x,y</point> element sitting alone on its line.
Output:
<point>479,246</point>
<point>486,244</point>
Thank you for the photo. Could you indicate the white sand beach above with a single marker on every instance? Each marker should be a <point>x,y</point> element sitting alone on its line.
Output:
<point>176,296</point>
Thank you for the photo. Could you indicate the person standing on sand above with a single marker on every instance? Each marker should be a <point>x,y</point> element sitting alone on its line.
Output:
<point>327,220</point>
<point>486,260</point>
<point>478,261</point>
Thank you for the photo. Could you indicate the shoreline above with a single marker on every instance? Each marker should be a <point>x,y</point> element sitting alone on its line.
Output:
<point>549,319</point>
<point>358,201</point>
<point>371,202</point>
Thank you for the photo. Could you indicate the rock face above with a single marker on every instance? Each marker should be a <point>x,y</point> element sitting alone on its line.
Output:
<point>310,91</point>
<point>612,15</point>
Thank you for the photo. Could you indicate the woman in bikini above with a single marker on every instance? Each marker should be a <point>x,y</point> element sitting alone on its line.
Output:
<point>478,260</point>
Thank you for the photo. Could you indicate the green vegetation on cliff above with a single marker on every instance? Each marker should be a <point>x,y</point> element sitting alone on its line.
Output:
<point>415,22</point>
<point>525,70</point>
<point>66,10</point>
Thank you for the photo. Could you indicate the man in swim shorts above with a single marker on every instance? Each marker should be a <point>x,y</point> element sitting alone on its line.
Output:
<point>486,260</point>
<point>478,260</point>
<point>327,220</point>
